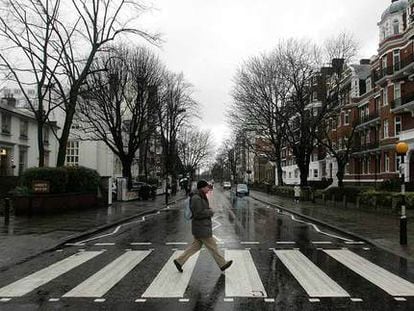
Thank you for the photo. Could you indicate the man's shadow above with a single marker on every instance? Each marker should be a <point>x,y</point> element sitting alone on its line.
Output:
<point>210,302</point>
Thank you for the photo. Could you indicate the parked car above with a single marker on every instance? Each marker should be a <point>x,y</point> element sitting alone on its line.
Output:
<point>242,189</point>
<point>226,185</point>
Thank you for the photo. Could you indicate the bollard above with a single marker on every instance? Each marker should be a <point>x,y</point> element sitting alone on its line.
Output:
<point>6,211</point>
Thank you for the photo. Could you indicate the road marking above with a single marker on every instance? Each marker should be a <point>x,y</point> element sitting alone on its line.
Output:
<point>41,277</point>
<point>75,244</point>
<point>354,242</point>
<point>321,242</point>
<point>5,299</point>
<point>242,278</point>
<point>269,300</point>
<point>140,300</point>
<point>104,244</point>
<point>356,300</point>
<point>183,300</point>
<point>249,242</point>
<point>285,242</point>
<point>169,282</point>
<point>176,243</point>
<point>228,299</point>
<point>101,282</point>
<point>389,282</point>
<point>102,236</point>
<point>99,300</point>
<point>400,299</point>
<point>313,280</point>
<point>366,248</point>
<point>314,300</point>
<point>140,243</point>
<point>54,299</point>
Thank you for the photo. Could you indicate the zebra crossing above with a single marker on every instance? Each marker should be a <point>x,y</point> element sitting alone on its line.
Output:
<point>241,280</point>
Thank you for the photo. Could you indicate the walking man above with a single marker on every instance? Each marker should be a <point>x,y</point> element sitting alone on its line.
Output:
<point>201,226</point>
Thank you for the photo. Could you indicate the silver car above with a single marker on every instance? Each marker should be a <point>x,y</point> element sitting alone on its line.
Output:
<point>242,189</point>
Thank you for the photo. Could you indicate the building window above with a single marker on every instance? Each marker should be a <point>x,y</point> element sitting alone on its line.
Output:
<point>47,158</point>
<point>385,129</point>
<point>396,59</point>
<point>22,160</point>
<point>386,162</point>
<point>384,62</point>
<point>396,27</point>
<point>368,84</point>
<point>72,153</point>
<point>24,128</point>
<point>5,123</point>
<point>346,117</point>
<point>315,173</point>
<point>385,96</point>
<point>397,91</point>
<point>398,125</point>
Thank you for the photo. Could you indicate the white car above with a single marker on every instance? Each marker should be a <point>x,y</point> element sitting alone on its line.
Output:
<point>226,185</point>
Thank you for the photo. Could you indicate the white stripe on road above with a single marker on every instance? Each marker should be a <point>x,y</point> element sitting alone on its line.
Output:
<point>242,278</point>
<point>102,281</point>
<point>141,243</point>
<point>176,243</point>
<point>391,283</point>
<point>313,280</point>
<point>104,244</point>
<point>249,242</point>
<point>321,242</point>
<point>39,278</point>
<point>285,242</point>
<point>169,282</point>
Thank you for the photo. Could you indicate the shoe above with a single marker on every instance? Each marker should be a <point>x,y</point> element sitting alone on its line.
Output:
<point>178,266</point>
<point>226,265</point>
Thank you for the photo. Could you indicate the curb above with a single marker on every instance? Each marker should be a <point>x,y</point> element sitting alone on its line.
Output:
<point>332,227</point>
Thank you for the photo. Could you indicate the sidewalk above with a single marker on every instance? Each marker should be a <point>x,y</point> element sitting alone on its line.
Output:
<point>382,230</point>
<point>27,237</point>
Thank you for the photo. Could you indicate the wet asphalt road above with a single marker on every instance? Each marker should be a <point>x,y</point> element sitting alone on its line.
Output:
<point>240,224</point>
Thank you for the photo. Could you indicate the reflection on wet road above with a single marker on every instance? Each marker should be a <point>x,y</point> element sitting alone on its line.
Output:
<point>281,262</point>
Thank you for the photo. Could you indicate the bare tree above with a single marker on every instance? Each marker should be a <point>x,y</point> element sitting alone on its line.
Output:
<point>120,105</point>
<point>194,149</point>
<point>176,108</point>
<point>342,46</point>
<point>258,95</point>
<point>98,23</point>
<point>27,58</point>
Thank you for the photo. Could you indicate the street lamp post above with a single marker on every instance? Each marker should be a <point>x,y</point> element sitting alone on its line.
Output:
<point>402,149</point>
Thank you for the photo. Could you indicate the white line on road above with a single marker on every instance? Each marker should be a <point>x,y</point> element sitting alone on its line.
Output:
<point>321,242</point>
<point>285,242</point>
<point>54,299</point>
<point>354,242</point>
<point>400,299</point>
<point>269,300</point>
<point>5,299</point>
<point>249,242</point>
<point>101,236</point>
<point>356,300</point>
<point>140,243</point>
<point>99,300</point>
<point>75,244</point>
<point>242,278</point>
<point>104,244</point>
<point>41,277</point>
<point>389,282</point>
<point>313,280</point>
<point>169,282</point>
<point>140,300</point>
<point>101,282</point>
<point>176,243</point>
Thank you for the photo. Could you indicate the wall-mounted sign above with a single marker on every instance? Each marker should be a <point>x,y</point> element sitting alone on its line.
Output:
<point>40,186</point>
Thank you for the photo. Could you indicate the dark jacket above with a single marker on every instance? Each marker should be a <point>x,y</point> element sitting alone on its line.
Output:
<point>201,221</point>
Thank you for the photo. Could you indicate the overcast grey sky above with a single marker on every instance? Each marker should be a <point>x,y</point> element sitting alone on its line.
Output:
<point>208,39</point>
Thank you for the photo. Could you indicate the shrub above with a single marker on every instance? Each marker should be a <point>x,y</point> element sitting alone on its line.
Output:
<point>390,185</point>
<point>57,177</point>
<point>350,192</point>
<point>285,191</point>
<point>81,179</point>
<point>63,179</point>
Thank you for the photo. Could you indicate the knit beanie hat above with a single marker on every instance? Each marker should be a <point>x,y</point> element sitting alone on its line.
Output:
<point>201,184</point>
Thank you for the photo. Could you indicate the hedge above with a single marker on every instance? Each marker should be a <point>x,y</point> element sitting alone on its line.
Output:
<point>63,179</point>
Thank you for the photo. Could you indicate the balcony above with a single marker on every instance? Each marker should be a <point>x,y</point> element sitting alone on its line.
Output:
<point>399,70</point>
<point>363,148</point>
<point>403,104</point>
<point>368,120</point>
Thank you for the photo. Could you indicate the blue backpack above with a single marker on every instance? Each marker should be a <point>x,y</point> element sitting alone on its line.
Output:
<point>188,214</point>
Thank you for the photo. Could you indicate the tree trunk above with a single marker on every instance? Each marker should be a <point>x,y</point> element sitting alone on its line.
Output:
<point>40,144</point>
<point>340,174</point>
<point>126,170</point>
<point>279,171</point>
